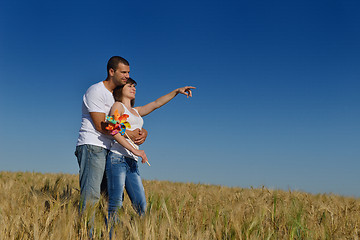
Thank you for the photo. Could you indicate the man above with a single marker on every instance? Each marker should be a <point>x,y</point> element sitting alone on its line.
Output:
<point>94,140</point>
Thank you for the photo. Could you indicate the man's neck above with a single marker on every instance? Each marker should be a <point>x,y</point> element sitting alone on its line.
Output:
<point>109,84</point>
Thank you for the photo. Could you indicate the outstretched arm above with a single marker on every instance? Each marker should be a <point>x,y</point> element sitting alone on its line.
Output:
<point>148,108</point>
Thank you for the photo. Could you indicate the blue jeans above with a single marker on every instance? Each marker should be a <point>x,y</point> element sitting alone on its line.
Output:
<point>123,172</point>
<point>91,160</point>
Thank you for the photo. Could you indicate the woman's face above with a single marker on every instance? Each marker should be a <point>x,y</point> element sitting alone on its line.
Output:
<point>129,91</point>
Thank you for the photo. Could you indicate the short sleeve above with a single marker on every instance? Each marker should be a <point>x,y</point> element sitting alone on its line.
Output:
<point>94,101</point>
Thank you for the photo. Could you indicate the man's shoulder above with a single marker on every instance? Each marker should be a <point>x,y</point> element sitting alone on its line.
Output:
<point>96,88</point>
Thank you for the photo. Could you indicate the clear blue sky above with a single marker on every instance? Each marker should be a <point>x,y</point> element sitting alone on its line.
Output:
<point>277,98</point>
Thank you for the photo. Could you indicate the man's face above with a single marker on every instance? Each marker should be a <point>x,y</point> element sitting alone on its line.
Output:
<point>121,74</point>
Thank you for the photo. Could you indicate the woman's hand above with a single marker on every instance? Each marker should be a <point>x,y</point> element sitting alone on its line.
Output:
<point>186,90</point>
<point>141,153</point>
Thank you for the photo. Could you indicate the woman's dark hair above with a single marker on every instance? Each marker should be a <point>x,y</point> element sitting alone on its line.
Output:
<point>117,92</point>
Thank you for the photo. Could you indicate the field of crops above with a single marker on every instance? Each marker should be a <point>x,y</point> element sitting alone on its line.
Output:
<point>45,206</point>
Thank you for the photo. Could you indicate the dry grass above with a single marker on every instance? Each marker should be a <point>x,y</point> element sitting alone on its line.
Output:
<point>45,206</point>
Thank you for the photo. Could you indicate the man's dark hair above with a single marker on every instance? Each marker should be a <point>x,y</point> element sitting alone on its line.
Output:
<point>114,62</point>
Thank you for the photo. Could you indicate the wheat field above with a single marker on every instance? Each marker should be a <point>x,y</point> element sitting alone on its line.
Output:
<point>45,206</point>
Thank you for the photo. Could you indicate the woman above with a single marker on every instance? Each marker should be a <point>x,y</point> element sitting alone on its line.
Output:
<point>121,163</point>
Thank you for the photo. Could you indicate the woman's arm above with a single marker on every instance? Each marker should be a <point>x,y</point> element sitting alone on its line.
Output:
<point>122,140</point>
<point>148,108</point>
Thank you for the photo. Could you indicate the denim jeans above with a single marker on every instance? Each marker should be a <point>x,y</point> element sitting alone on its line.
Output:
<point>123,172</point>
<point>91,160</point>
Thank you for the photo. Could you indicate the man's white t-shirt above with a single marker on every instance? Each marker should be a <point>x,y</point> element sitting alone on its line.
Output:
<point>96,99</point>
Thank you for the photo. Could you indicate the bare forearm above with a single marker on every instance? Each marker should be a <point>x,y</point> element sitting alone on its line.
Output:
<point>161,101</point>
<point>138,136</point>
<point>99,122</point>
<point>148,108</point>
<point>123,142</point>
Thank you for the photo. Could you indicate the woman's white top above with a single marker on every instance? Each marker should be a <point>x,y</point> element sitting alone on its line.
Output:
<point>136,122</point>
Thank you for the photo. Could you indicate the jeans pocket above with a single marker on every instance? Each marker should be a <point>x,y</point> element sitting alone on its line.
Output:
<point>117,159</point>
<point>95,149</point>
<point>133,165</point>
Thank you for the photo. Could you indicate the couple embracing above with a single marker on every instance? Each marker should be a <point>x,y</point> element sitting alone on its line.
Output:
<point>103,157</point>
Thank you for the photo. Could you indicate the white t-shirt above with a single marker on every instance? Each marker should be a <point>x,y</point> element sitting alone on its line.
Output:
<point>136,122</point>
<point>96,99</point>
